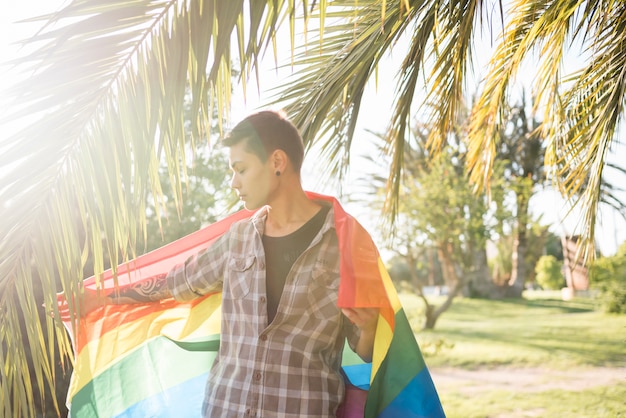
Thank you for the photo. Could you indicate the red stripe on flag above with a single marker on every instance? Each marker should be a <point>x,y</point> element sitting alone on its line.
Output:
<point>100,322</point>
<point>361,285</point>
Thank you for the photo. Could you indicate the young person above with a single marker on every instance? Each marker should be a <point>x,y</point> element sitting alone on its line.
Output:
<point>282,334</point>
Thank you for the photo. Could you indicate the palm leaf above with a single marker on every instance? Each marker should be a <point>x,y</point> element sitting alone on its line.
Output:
<point>104,102</point>
<point>595,107</point>
<point>324,96</point>
<point>487,117</point>
<point>582,109</point>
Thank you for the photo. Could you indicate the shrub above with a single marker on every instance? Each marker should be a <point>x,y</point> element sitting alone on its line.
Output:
<point>549,274</point>
<point>608,275</point>
<point>614,297</point>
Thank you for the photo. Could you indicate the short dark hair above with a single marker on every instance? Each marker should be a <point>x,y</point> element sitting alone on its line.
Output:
<point>265,132</point>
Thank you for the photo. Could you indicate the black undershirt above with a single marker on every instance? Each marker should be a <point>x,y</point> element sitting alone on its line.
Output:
<point>282,252</point>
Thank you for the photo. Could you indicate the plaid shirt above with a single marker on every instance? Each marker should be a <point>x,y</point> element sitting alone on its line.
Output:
<point>291,367</point>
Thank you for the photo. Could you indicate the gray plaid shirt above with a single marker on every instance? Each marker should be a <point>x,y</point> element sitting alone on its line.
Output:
<point>289,368</point>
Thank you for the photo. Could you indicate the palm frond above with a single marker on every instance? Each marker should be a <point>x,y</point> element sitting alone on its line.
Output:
<point>104,103</point>
<point>452,56</point>
<point>487,116</point>
<point>325,94</point>
<point>595,107</point>
<point>396,136</point>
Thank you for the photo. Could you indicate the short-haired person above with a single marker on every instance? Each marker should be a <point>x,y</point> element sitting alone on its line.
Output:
<point>282,334</point>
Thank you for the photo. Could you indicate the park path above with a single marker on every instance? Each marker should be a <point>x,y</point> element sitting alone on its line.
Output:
<point>532,379</point>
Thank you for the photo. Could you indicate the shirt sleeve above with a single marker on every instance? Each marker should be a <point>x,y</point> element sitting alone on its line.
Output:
<point>202,273</point>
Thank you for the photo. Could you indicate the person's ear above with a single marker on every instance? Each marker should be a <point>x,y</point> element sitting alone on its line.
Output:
<point>279,161</point>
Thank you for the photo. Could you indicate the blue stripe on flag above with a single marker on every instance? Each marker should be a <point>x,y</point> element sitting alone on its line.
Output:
<point>183,400</point>
<point>419,395</point>
<point>359,374</point>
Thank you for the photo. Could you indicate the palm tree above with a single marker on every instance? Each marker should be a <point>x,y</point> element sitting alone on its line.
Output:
<point>105,100</point>
<point>521,149</point>
<point>107,90</point>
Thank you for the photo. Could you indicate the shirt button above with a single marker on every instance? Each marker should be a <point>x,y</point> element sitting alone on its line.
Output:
<point>257,376</point>
<point>263,337</point>
<point>262,265</point>
<point>262,299</point>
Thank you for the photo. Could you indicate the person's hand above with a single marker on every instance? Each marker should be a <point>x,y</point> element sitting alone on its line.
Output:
<point>364,318</point>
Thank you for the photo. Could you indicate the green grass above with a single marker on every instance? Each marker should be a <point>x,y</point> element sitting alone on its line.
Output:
<point>599,402</point>
<point>539,331</point>
<point>545,332</point>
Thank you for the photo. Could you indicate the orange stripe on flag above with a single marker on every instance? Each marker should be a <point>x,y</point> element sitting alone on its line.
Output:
<point>119,315</point>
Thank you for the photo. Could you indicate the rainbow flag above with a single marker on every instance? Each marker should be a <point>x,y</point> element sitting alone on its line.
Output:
<point>152,360</point>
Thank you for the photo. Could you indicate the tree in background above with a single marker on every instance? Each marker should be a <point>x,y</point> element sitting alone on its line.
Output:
<point>518,174</point>
<point>450,216</point>
<point>206,198</point>
<point>522,150</point>
<point>541,241</point>
<point>415,268</point>
<point>441,225</point>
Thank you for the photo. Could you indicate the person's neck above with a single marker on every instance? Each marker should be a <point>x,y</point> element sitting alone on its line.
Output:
<point>288,211</point>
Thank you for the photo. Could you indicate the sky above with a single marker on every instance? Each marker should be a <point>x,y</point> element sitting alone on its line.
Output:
<point>11,32</point>
<point>548,204</point>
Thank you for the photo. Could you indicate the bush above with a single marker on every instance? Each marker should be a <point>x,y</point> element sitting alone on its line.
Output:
<point>614,297</point>
<point>608,275</point>
<point>548,272</point>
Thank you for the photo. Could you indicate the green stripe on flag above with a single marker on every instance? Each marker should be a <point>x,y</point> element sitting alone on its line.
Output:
<point>350,358</point>
<point>158,364</point>
<point>403,362</point>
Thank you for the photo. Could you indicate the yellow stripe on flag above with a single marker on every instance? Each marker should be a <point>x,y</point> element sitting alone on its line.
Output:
<point>179,323</point>
<point>384,333</point>
<point>384,330</point>
<point>389,288</point>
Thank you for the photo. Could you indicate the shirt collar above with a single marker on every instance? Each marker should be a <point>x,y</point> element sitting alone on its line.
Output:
<point>259,217</point>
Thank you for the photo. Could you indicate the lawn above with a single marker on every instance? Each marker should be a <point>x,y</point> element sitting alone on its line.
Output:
<point>540,331</point>
<point>598,402</point>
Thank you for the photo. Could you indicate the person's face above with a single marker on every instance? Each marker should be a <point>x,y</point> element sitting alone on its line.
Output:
<point>251,176</point>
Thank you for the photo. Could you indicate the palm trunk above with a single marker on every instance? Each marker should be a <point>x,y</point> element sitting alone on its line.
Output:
<point>479,281</point>
<point>520,243</point>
